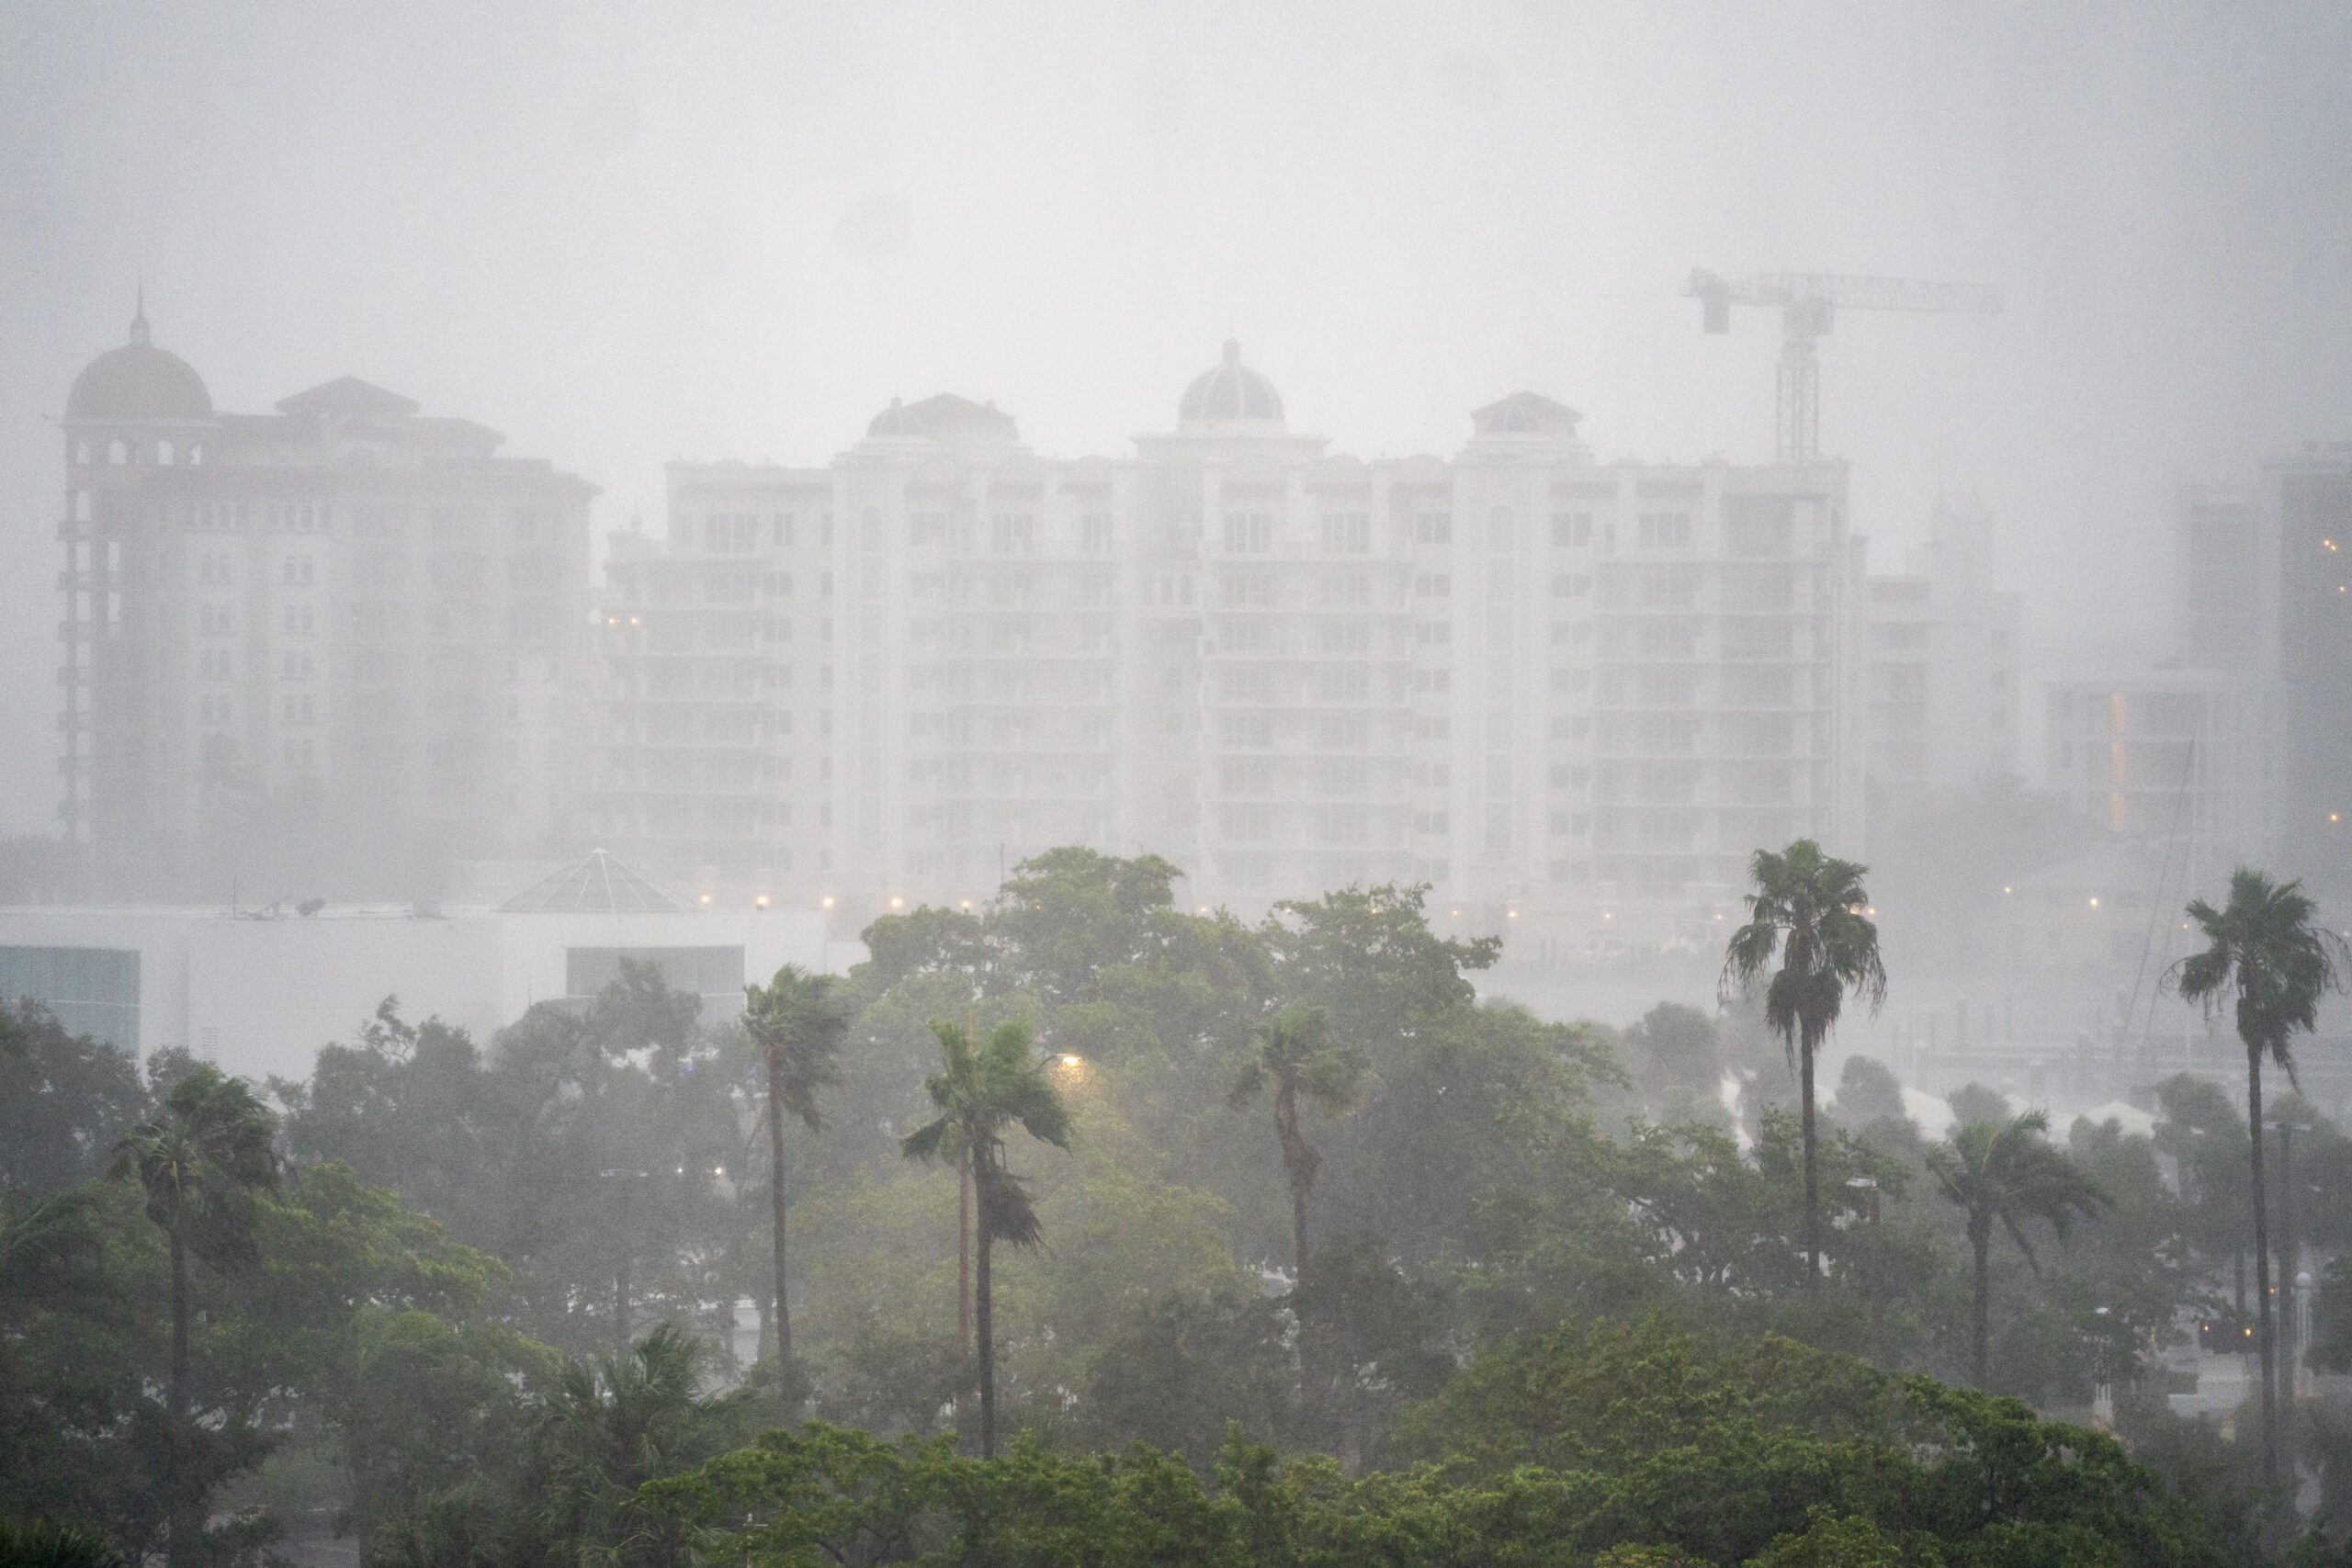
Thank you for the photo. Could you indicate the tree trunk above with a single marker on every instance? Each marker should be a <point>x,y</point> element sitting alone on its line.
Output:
<point>1298,1231</point>
<point>983,1312</point>
<point>178,1391</point>
<point>1298,1168</point>
<point>964,1257</point>
<point>1981,1242</point>
<point>2265,1348</point>
<point>777,1203</point>
<point>2289,1250</point>
<point>177,1532</point>
<point>1812,1168</point>
<point>621,1308</point>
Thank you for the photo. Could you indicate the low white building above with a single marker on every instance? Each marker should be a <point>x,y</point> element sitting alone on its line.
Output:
<point>259,991</point>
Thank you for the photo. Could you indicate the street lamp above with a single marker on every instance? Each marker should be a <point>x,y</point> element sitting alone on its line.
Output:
<point>1878,1305</point>
<point>2102,1375</point>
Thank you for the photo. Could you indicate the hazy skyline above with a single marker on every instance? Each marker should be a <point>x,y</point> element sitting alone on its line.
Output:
<point>626,234</point>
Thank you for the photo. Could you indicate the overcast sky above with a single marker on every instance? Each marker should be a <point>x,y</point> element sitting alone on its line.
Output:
<point>631,233</point>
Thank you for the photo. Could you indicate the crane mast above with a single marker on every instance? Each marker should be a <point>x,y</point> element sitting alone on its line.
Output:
<point>1809,303</point>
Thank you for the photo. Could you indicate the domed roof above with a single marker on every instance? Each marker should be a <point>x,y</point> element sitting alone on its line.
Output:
<point>944,417</point>
<point>138,381</point>
<point>1230,392</point>
<point>1525,413</point>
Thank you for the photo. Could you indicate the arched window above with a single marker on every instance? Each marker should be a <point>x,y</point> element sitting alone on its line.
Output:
<point>117,452</point>
<point>196,452</point>
<point>162,452</point>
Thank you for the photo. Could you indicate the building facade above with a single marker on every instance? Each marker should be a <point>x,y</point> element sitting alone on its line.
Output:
<point>1941,664</point>
<point>339,646</point>
<point>2242,743</point>
<point>2179,756</point>
<point>1571,697</point>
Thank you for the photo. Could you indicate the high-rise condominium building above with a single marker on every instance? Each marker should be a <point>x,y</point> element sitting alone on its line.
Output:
<point>1573,696</point>
<point>1941,673</point>
<point>2245,741</point>
<point>336,646</point>
<point>2309,501</point>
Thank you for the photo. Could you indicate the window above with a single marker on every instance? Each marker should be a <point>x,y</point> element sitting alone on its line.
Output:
<point>1347,534</point>
<point>1433,585</point>
<point>1347,590</point>
<point>1349,733</point>
<point>1346,637</point>
<point>1670,588</point>
<point>1250,684</point>
<point>1255,588</point>
<point>1012,534</point>
<point>1666,530</point>
<point>1432,528</point>
<point>1351,683</point>
<point>1248,534</point>
<point>1245,731</point>
<point>1094,534</point>
<point>1570,584</point>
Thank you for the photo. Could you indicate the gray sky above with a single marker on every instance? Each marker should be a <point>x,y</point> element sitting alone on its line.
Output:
<point>629,232</point>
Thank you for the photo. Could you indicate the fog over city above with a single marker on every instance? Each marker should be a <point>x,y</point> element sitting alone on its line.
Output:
<point>1308,729</point>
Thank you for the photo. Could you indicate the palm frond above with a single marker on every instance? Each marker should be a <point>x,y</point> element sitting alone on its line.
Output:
<point>924,1142</point>
<point>1005,1210</point>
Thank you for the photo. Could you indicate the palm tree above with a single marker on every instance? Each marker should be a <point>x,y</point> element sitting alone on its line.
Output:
<point>2268,952</point>
<point>2008,1172</point>
<point>606,1428</point>
<point>1807,907</point>
<point>1296,1054</point>
<point>201,1161</point>
<point>982,1092</point>
<point>797,1026</point>
<point>45,1545</point>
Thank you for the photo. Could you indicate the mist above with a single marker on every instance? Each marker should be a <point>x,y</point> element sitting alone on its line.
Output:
<point>1277,718</point>
<point>623,242</point>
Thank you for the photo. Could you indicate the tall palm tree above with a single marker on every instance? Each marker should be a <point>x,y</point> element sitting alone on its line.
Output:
<point>2007,1173</point>
<point>797,1025</point>
<point>202,1160</point>
<point>1296,1055</point>
<point>2267,953</point>
<point>1807,909</point>
<point>982,1091</point>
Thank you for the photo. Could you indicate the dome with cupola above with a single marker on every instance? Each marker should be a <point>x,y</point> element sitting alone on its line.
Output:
<point>1229,393</point>
<point>138,383</point>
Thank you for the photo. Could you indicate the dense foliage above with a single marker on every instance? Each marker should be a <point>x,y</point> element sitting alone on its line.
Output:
<point>479,1302</point>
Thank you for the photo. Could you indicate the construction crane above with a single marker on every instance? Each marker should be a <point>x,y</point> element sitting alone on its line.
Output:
<point>1809,303</point>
